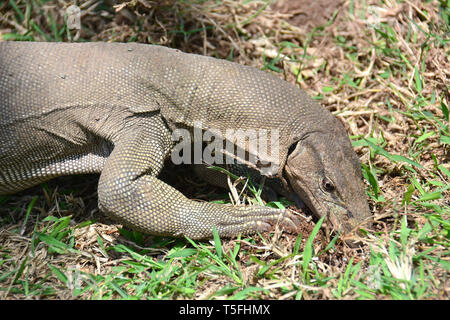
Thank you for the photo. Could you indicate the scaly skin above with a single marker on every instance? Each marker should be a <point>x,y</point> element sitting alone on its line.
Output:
<point>111,108</point>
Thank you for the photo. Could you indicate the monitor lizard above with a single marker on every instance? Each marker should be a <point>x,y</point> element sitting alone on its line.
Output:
<point>112,109</point>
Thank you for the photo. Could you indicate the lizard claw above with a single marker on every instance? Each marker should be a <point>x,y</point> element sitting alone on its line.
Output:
<point>287,220</point>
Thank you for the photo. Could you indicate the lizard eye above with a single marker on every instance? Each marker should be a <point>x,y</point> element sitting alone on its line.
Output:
<point>327,185</point>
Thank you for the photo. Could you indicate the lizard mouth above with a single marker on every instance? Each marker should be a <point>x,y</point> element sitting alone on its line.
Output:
<point>342,218</point>
<point>338,216</point>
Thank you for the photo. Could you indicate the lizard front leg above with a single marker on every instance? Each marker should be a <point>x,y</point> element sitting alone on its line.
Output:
<point>130,191</point>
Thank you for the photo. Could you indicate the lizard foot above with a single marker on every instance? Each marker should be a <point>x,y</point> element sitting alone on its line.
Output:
<point>230,221</point>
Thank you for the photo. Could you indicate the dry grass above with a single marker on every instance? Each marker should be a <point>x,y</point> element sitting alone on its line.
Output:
<point>382,68</point>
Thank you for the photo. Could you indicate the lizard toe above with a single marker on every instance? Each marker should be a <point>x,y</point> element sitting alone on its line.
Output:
<point>285,219</point>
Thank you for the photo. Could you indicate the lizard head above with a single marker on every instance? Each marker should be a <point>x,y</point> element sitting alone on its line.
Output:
<point>325,172</point>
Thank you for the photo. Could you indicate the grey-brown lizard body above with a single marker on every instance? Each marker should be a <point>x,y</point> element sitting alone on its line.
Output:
<point>112,108</point>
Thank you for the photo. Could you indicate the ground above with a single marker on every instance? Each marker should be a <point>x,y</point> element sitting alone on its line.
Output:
<point>308,13</point>
<point>382,67</point>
